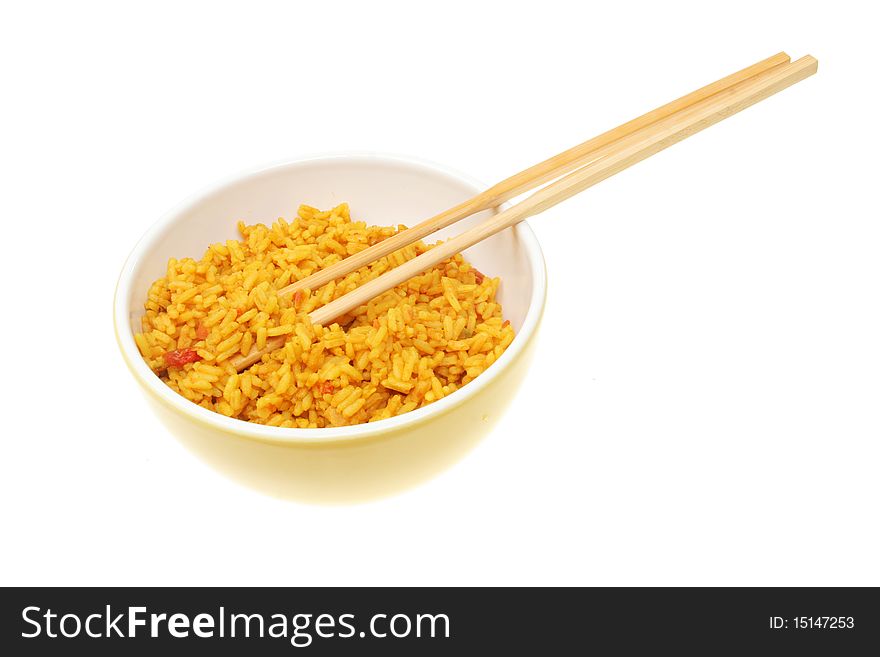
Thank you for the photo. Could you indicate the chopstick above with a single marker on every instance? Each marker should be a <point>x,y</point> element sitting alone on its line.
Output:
<point>614,156</point>
<point>618,156</point>
<point>525,180</point>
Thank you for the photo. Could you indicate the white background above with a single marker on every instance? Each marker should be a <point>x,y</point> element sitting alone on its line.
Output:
<point>708,373</point>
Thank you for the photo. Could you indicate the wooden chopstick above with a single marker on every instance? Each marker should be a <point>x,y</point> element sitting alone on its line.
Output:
<point>619,156</point>
<point>614,156</point>
<point>525,180</point>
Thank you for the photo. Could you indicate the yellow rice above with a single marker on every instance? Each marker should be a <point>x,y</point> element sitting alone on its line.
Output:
<point>404,349</point>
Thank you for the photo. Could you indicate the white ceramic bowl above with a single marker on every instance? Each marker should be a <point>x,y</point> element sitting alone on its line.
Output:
<point>346,463</point>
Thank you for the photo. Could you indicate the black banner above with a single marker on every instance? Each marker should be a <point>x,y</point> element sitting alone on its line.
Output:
<point>409,621</point>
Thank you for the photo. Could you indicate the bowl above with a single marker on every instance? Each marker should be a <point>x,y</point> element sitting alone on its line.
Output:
<point>344,464</point>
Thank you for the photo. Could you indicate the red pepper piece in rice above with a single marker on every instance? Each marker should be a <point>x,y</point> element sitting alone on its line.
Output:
<point>180,357</point>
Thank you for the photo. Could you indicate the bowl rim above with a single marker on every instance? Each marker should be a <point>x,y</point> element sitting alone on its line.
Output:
<point>290,436</point>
